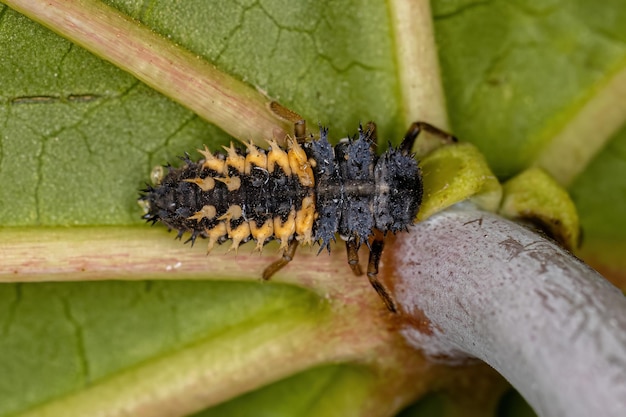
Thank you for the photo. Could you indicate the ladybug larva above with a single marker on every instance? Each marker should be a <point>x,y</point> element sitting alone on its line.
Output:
<point>304,194</point>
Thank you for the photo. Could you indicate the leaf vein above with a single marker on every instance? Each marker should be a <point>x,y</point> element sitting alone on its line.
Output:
<point>79,338</point>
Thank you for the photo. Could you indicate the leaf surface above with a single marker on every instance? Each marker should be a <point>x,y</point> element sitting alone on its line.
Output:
<point>79,137</point>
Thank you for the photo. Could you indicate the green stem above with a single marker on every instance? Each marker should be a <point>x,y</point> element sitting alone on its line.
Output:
<point>580,139</point>
<point>351,324</point>
<point>421,91</point>
<point>236,107</point>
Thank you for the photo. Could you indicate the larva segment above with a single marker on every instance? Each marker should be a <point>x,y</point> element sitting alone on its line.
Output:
<point>238,235</point>
<point>262,233</point>
<point>234,212</point>
<point>234,159</point>
<point>232,183</point>
<point>299,164</point>
<point>207,212</point>
<point>256,157</point>
<point>277,156</point>
<point>212,162</point>
<point>205,184</point>
<point>285,230</point>
<point>214,235</point>
<point>304,221</point>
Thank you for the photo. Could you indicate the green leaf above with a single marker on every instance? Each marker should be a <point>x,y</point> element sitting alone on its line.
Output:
<point>525,71</point>
<point>541,83</point>
<point>79,137</point>
<point>73,336</point>
<point>600,196</point>
<point>317,392</point>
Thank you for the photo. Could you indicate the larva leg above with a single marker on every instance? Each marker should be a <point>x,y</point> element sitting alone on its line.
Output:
<point>414,131</point>
<point>376,250</point>
<point>353,256</point>
<point>276,266</point>
<point>372,135</point>
<point>299,131</point>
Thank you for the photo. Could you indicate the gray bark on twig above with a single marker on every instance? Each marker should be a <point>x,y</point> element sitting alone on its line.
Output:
<point>494,290</point>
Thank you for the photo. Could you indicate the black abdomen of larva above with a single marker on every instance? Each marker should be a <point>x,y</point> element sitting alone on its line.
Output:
<point>261,196</point>
<point>174,200</point>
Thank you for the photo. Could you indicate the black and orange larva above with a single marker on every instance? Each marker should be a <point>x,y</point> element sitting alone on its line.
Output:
<point>305,194</point>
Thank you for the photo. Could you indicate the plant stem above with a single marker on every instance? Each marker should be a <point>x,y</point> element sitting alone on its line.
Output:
<point>219,98</point>
<point>356,329</point>
<point>475,285</point>
<point>574,146</point>
<point>421,91</point>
